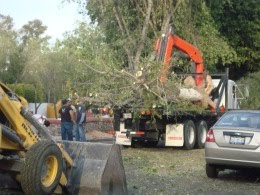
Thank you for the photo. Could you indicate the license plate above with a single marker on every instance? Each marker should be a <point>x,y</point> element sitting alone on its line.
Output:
<point>237,140</point>
<point>127,115</point>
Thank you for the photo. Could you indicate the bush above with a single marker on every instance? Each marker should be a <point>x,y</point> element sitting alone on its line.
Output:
<point>253,101</point>
<point>27,91</point>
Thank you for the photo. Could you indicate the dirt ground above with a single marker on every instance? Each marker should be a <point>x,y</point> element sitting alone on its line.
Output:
<point>178,171</point>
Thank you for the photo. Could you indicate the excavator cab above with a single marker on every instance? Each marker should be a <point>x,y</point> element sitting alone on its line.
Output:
<point>33,162</point>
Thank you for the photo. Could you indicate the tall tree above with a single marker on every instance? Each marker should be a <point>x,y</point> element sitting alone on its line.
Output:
<point>34,30</point>
<point>131,27</point>
<point>10,66</point>
<point>87,59</point>
<point>52,77</point>
<point>34,42</point>
<point>33,47</point>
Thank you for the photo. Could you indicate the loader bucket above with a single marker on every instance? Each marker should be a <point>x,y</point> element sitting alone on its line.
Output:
<point>98,168</point>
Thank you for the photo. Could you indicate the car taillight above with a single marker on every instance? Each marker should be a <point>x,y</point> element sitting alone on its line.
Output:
<point>210,136</point>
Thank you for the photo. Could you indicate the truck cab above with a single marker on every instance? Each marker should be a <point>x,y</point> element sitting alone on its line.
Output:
<point>232,99</point>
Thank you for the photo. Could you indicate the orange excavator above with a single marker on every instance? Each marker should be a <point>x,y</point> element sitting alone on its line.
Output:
<point>164,48</point>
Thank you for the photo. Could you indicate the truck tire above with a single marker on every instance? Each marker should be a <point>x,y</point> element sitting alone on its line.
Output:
<point>211,171</point>
<point>42,168</point>
<point>189,134</point>
<point>202,130</point>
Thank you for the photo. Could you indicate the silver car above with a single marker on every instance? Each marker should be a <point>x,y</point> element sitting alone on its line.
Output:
<point>233,142</point>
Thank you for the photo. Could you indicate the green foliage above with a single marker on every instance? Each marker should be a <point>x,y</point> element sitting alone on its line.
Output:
<point>51,74</point>
<point>252,81</point>
<point>239,23</point>
<point>10,66</point>
<point>23,55</point>
<point>28,91</point>
<point>200,29</point>
<point>117,83</point>
<point>101,61</point>
<point>33,30</point>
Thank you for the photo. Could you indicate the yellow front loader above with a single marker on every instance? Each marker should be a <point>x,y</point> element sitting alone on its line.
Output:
<point>32,162</point>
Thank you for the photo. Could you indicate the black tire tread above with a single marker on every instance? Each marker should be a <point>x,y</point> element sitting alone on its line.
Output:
<point>199,144</point>
<point>187,145</point>
<point>30,172</point>
<point>211,171</point>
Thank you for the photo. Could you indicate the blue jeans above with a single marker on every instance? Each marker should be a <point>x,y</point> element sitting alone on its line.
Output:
<point>80,133</point>
<point>66,131</point>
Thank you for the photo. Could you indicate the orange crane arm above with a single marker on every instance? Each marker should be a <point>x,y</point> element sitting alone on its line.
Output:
<point>173,41</point>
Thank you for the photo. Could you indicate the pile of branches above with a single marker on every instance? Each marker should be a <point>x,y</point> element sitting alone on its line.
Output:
<point>144,90</point>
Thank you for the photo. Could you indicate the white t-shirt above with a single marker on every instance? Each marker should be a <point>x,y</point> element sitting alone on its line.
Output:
<point>40,118</point>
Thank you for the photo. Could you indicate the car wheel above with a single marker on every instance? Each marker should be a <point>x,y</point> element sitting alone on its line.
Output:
<point>211,171</point>
<point>189,134</point>
<point>202,129</point>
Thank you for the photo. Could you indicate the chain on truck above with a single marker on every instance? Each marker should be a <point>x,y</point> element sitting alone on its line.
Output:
<point>182,129</point>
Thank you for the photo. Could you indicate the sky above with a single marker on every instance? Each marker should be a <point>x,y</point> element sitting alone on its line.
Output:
<point>57,16</point>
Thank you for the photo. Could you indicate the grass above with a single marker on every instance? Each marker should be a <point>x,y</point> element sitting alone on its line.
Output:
<point>176,171</point>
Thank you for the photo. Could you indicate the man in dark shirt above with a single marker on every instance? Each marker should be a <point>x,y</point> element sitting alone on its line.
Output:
<point>67,120</point>
<point>80,132</point>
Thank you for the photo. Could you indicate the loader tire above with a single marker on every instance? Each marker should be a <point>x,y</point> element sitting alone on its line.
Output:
<point>189,134</point>
<point>202,130</point>
<point>42,168</point>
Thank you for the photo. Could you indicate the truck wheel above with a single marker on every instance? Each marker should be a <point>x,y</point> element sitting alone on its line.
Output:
<point>189,134</point>
<point>202,129</point>
<point>42,168</point>
<point>211,171</point>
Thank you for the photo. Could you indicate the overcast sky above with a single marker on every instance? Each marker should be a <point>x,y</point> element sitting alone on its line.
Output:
<point>57,16</point>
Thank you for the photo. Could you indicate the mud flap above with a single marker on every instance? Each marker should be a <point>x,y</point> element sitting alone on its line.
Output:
<point>122,139</point>
<point>174,135</point>
<point>98,168</point>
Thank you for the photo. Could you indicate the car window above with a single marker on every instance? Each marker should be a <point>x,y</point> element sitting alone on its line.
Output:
<point>240,119</point>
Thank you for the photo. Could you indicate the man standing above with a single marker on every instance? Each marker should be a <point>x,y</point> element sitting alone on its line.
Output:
<point>67,120</point>
<point>80,133</point>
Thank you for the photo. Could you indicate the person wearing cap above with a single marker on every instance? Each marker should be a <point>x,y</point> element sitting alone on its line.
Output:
<point>67,120</point>
<point>80,132</point>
